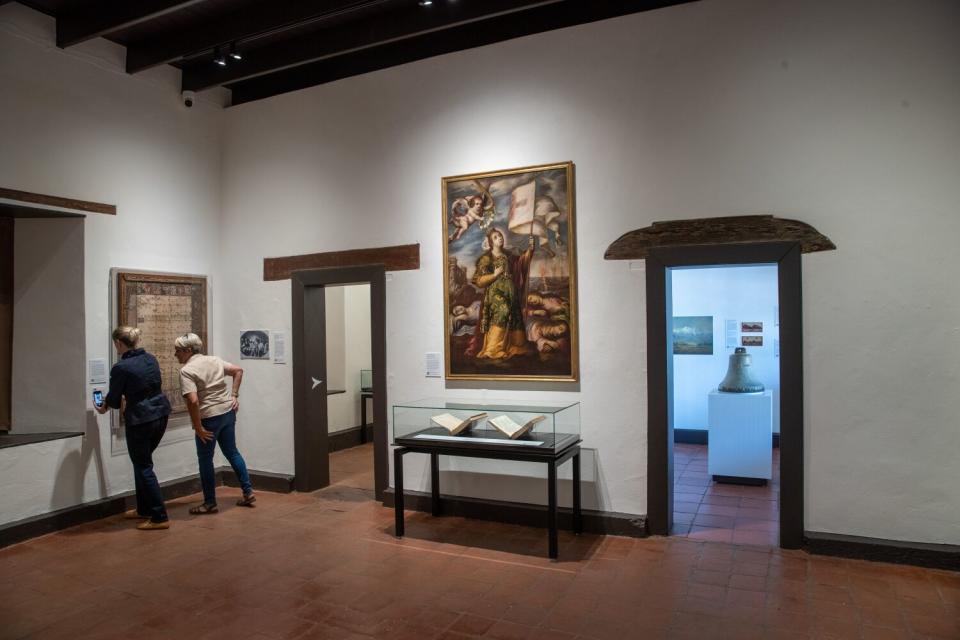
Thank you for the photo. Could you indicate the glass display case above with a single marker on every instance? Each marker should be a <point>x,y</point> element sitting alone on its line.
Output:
<point>366,379</point>
<point>529,426</point>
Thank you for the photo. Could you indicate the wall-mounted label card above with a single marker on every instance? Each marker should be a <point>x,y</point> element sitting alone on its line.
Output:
<point>279,339</point>
<point>433,364</point>
<point>731,333</point>
<point>97,372</point>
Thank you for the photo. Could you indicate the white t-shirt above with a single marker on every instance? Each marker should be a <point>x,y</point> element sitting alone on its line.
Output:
<point>204,376</point>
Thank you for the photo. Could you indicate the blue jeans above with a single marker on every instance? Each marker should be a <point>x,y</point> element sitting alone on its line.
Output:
<point>223,428</point>
<point>142,439</point>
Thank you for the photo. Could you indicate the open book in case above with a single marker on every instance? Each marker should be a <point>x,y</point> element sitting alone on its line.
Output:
<point>526,425</point>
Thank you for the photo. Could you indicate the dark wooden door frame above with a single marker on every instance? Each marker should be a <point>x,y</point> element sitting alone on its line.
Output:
<point>659,431</point>
<point>311,455</point>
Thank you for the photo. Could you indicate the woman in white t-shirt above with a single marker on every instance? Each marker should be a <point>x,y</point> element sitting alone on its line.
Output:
<point>213,406</point>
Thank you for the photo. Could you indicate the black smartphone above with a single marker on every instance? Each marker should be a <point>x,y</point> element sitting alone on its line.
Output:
<point>98,397</point>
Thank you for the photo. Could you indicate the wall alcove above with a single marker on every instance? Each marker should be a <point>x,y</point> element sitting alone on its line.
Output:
<point>735,240</point>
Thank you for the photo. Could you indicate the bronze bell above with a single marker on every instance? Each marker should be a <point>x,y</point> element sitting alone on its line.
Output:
<point>738,379</point>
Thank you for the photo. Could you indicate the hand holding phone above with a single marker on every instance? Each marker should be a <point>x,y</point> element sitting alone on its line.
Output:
<point>97,398</point>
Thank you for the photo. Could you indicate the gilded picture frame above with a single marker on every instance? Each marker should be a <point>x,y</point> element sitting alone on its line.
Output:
<point>510,275</point>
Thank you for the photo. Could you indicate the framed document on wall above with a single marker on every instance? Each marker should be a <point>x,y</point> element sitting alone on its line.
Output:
<point>163,306</point>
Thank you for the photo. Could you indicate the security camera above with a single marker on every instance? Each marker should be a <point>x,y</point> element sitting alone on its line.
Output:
<point>188,98</point>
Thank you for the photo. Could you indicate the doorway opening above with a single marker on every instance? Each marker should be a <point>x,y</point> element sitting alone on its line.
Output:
<point>724,387</point>
<point>339,326</point>
<point>665,468</point>
<point>349,386</point>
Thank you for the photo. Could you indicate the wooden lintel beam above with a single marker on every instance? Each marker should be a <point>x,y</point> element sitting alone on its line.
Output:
<point>56,201</point>
<point>108,16</point>
<point>398,258</point>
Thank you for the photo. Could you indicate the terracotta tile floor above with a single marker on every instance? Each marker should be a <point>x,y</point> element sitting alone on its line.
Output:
<point>353,467</point>
<point>326,565</point>
<point>717,512</point>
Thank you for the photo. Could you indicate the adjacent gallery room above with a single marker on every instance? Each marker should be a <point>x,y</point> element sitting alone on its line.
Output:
<point>725,388</point>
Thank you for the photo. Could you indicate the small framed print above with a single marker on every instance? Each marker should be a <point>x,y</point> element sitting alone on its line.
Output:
<point>751,327</point>
<point>751,341</point>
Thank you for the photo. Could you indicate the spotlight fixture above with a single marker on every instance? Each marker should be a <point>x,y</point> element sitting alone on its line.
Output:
<point>425,3</point>
<point>219,58</point>
<point>234,53</point>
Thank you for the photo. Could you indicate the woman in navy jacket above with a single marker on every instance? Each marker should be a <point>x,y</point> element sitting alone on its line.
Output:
<point>136,379</point>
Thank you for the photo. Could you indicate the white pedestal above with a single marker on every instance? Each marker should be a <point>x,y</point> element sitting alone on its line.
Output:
<point>741,434</point>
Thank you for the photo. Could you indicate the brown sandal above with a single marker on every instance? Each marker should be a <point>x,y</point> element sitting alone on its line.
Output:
<point>204,508</point>
<point>247,501</point>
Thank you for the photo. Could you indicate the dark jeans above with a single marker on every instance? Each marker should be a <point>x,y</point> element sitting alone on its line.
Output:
<point>142,439</point>
<point>223,428</point>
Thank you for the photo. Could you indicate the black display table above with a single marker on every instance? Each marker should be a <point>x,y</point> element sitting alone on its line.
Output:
<point>551,457</point>
<point>364,394</point>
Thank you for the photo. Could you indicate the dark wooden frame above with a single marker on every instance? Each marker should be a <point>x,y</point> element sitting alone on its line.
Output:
<point>6,323</point>
<point>553,460</point>
<point>310,444</point>
<point>659,432</point>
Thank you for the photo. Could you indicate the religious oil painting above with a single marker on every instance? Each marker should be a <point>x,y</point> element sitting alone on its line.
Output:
<point>510,287</point>
<point>693,335</point>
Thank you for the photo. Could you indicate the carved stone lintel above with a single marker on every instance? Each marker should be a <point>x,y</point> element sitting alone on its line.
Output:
<point>636,244</point>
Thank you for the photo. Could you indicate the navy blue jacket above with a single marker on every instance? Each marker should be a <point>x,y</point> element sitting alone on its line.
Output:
<point>137,376</point>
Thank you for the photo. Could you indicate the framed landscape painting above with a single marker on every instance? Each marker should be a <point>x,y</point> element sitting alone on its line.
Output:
<point>693,335</point>
<point>510,286</point>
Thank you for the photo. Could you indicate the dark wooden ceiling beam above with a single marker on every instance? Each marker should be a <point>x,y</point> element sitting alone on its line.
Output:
<point>400,23</point>
<point>264,18</point>
<point>109,16</point>
<point>537,19</point>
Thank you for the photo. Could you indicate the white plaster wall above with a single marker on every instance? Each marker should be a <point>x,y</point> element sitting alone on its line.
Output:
<point>74,124</point>
<point>48,332</point>
<point>841,114</point>
<point>337,411</point>
<point>343,410</point>
<point>744,294</point>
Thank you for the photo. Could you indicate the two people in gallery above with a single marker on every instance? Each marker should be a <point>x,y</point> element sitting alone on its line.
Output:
<point>212,405</point>
<point>136,381</point>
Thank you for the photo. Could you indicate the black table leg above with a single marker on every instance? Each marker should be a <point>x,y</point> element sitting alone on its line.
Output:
<point>363,419</point>
<point>398,490</point>
<point>552,507</point>
<point>577,515</point>
<point>435,483</point>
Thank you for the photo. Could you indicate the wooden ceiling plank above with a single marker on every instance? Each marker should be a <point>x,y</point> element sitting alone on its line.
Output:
<point>400,24</point>
<point>109,16</point>
<point>537,19</point>
<point>264,18</point>
<point>397,258</point>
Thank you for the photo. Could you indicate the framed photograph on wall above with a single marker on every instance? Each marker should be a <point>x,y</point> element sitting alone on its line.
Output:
<point>751,327</point>
<point>510,286</point>
<point>751,341</point>
<point>255,345</point>
<point>693,335</point>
